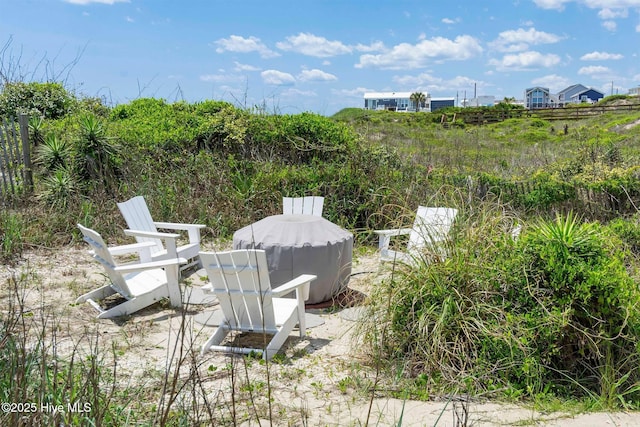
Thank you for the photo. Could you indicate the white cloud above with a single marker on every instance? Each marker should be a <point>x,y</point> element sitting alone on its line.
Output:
<point>610,25</point>
<point>355,93</point>
<point>312,45</point>
<point>594,71</point>
<point>221,78</point>
<point>277,78</point>
<point>554,82</point>
<point>551,4</point>
<point>245,45</point>
<point>422,79</point>
<point>520,39</point>
<point>450,21</point>
<point>377,46</point>
<point>408,56</point>
<point>612,14</point>
<point>294,93</point>
<point>428,82</point>
<point>525,61</point>
<point>601,56</point>
<point>84,2</point>
<point>592,4</point>
<point>316,75</point>
<point>129,19</point>
<point>245,67</point>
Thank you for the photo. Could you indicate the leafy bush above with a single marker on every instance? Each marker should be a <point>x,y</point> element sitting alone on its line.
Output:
<point>50,100</point>
<point>554,311</point>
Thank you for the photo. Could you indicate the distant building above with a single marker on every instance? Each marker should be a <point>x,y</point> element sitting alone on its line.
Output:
<point>481,101</point>
<point>589,95</point>
<point>634,91</point>
<point>565,95</point>
<point>401,101</point>
<point>578,93</point>
<point>393,101</point>
<point>438,103</point>
<point>537,97</point>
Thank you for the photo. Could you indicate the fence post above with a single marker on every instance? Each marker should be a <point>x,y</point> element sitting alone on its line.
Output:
<point>23,119</point>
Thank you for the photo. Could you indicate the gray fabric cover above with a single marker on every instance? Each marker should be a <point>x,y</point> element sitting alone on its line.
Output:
<point>302,244</point>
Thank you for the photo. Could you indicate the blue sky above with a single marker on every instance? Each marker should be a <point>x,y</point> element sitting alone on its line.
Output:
<point>322,55</point>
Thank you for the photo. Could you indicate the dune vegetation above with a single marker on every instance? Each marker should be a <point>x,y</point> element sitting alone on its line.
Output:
<point>551,314</point>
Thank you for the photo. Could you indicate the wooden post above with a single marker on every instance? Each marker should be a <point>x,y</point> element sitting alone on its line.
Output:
<point>23,119</point>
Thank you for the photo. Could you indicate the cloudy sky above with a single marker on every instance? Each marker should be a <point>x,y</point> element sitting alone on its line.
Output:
<point>320,55</point>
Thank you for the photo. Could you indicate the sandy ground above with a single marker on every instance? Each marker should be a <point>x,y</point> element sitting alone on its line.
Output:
<point>314,386</point>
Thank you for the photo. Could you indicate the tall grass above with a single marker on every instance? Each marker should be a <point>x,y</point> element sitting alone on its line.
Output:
<point>552,312</point>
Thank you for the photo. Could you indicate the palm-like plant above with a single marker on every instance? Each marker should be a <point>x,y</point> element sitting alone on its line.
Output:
<point>96,153</point>
<point>418,99</point>
<point>54,153</point>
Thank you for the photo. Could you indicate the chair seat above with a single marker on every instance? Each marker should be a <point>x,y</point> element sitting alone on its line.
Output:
<point>283,308</point>
<point>188,251</point>
<point>140,283</point>
<point>143,282</point>
<point>240,281</point>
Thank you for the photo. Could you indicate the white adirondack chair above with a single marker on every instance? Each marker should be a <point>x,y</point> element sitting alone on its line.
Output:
<point>240,280</point>
<point>140,283</point>
<point>137,215</point>
<point>430,230</point>
<point>308,205</point>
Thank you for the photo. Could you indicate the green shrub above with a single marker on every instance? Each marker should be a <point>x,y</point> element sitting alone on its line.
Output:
<point>50,100</point>
<point>554,311</point>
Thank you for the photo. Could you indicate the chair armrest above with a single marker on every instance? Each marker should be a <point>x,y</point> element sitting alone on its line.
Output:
<point>192,229</point>
<point>126,268</point>
<point>170,239</point>
<point>302,280</point>
<point>385,237</point>
<point>151,234</point>
<point>133,247</point>
<point>393,232</point>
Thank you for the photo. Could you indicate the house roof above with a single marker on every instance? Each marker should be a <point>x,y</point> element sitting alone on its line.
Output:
<point>572,87</point>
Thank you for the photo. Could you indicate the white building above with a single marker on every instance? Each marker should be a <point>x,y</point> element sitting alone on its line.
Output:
<point>393,101</point>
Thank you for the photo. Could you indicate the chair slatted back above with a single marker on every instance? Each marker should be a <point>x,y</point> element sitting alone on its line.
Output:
<point>431,225</point>
<point>240,280</point>
<point>100,253</point>
<point>137,216</point>
<point>308,205</point>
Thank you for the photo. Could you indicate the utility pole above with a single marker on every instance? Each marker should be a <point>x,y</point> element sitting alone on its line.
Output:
<point>475,93</point>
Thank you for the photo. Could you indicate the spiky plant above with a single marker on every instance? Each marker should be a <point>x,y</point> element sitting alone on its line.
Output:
<point>96,153</point>
<point>59,188</point>
<point>54,153</point>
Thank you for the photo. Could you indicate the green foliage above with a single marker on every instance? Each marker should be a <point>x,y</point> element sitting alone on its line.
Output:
<point>96,154</point>
<point>11,236</point>
<point>299,138</point>
<point>148,123</point>
<point>59,189</point>
<point>54,153</point>
<point>50,100</point>
<point>553,312</point>
<point>613,98</point>
<point>628,230</point>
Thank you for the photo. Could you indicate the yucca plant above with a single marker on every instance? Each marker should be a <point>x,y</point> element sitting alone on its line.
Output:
<point>59,188</point>
<point>54,153</point>
<point>36,136</point>
<point>576,269</point>
<point>95,152</point>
